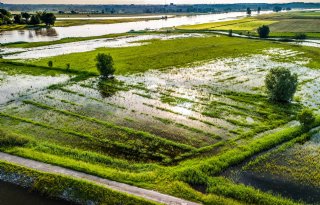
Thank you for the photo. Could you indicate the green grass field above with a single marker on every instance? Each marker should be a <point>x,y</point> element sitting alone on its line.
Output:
<point>285,25</point>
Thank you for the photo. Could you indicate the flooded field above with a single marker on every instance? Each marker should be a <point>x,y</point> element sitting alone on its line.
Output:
<point>198,107</point>
<point>10,90</point>
<point>292,172</point>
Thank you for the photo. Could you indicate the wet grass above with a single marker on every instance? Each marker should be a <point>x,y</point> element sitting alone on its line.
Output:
<point>161,54</point>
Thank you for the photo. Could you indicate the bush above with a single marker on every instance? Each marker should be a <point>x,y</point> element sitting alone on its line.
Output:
<point>105,65</point>
<point>281,84</point>
<point>300,36</point>
<point>264,31</point>
<point>306,118</point>
<point>50,64</point>
<point>68,66</point>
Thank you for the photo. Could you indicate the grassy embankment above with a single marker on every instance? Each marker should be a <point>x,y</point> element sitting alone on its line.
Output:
<point>76,22</point>
<point>285,25</point>
<point>67,188</point>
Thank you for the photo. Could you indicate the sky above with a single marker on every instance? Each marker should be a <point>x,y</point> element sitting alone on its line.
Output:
<point>144,1</point>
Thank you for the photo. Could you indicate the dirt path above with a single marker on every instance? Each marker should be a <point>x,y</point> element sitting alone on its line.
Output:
<point>144,193</point>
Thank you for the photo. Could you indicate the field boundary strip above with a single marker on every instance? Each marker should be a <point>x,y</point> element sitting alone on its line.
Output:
<point>117,186</point>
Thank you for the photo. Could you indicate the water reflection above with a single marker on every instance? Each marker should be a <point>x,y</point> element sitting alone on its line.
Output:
<point>109,87</point>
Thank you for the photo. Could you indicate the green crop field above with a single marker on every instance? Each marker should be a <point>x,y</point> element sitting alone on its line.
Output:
<point>281,24</point>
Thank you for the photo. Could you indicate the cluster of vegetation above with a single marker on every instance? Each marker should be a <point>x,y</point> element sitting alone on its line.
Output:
<point>281,84</point>
<point>7,18</point>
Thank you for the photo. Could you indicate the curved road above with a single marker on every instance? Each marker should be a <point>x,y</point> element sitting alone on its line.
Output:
<point>121,187</point>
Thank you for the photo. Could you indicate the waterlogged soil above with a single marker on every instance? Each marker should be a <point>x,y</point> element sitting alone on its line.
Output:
<point>293,173</point>
<point>13,195</point>
<point>84,46</point>
<point>13,87</point>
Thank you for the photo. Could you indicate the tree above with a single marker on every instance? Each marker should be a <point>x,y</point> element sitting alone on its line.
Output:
<point>50,64</point>
<point>249,11</point>
<point>5,17</point>
<point>306,118</point>
<point>4,12</point>
<point>277,8</point>
<point>281,84</point>
<point>26,16</point>
<point>105,65</point>
<point>17,19</point>
<point>48,18</point>
<point>300,36</point>
<point>35,20</point>
<point>264,31</point>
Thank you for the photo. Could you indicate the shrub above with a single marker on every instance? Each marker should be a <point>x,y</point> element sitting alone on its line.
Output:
<point>300,36</point>
<point>50,64</point>
<point>230,33</point>
<point>281,84</point>
<point>306,118</point>
<point>264,31</point>
<point>105,65</point>
<point>68,66</point>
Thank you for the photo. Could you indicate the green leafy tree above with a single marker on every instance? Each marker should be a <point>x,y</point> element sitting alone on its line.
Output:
<point>4,12</point>
<point>230,33</point>
<point>35,20</point>
<point>48,18</point>
<point>17,19</point>
<point>50,64</point>
<point>26,16</point>
<point>300,36</point>
<point>281,84</point>
<point>105,65</point>
<point>306,118</point>
<point>277,9</point>
<point>264,31</point>
<point>249,11</point>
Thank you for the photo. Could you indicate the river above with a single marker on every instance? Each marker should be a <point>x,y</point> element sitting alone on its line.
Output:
<point>56,33</point>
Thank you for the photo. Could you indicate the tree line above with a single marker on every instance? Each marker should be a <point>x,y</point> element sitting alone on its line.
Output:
<point>6,18</point>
